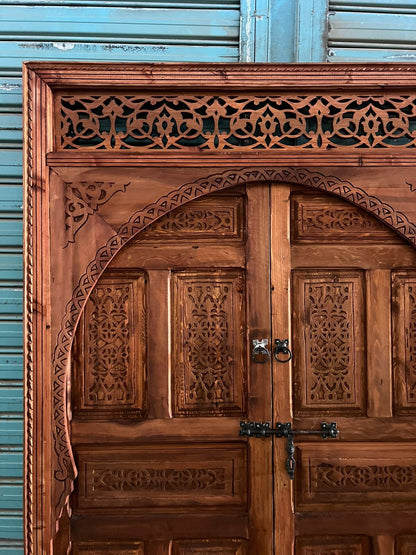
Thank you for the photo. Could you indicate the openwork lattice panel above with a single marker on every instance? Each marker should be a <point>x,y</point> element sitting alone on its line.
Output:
<point>221,123</point>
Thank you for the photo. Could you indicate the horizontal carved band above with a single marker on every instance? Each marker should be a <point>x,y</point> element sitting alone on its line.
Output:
<point>162,476</point>
<point>222,123</point>
<point>353,475</point>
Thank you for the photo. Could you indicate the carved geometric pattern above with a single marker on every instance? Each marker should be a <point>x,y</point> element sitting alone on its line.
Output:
<point>83,199</point>
<point>209,323</point>
<point>206,219</point>
<point>351,478</point>
<point>163,476</point>
<point>221,123</point>
<point>353,475</point>
<point>404,344</point>
<point>108,548</point>
<point>109,377</point>
<point>330,545</point>
<point>66,469</point>
<point>209,547</point>
<point>164,479</point>
<point>329,368</point>
<point>329,220</point>
<point>406,545</point>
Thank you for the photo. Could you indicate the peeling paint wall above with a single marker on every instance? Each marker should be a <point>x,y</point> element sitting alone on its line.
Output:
<point>371,31</point>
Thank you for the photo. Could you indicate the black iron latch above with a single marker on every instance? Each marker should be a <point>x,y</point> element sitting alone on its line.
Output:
<point>263,429</point>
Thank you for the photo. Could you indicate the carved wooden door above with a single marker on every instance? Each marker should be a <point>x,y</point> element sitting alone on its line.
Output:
<point>351,310</point>
<point>162,375</point>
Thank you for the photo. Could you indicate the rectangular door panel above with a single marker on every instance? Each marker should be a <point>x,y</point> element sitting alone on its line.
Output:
<point>356,476</point>
<point>328,321</point>
<point>193,477</point>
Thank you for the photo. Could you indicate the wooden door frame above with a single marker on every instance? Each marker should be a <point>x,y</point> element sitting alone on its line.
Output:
<point>49,465</point>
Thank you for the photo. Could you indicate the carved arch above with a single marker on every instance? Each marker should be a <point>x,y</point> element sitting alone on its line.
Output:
<point>398,221</point>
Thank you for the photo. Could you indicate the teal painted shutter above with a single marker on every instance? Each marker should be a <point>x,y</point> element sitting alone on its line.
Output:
<point>84,30</point>
<point>372,30</point>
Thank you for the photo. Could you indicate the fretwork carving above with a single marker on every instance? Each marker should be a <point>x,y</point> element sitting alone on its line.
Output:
<point>84,199</point>
<point>404,344</point>
<point>206,220</point>
<point>210,547</point>
<point>221,123</point>
<point>165,479</point>
<point>209,365</point>
<point>329,220</point>
<point>329,372</point>
<point>110,372</point>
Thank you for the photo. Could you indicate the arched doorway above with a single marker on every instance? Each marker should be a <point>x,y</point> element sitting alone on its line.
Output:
<point>163,372</point>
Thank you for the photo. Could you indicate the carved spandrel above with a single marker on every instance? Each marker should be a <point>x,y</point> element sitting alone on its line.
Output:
<point>332,545</point>
<point>404,341</point>
<point>163,476</point>
<point>329,334</point>
<point>83,199</point>
<point>207,219</point>
<point>235,122</point>
<point>318,218</point>
<point>210,547</point>
<point>208,336</point>
<point>109,372</point>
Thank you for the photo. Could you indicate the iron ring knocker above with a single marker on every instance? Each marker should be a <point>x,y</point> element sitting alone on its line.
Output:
<point>260,349</point>
<point>282,347</point>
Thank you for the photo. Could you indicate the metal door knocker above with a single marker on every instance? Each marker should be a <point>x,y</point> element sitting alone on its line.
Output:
<point>260,352</point>
<point>283,348</point>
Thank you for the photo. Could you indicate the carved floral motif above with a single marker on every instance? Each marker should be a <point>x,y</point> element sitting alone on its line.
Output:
<point>208,356</point>
<point>83,199</point>
<point>175,122</point>
<point>164,479</point>
<point>353,478</point>
<point>109,358</point>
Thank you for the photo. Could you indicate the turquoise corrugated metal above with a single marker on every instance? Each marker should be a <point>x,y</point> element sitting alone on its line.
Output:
<point>372,30</point>
<point>71,30</point>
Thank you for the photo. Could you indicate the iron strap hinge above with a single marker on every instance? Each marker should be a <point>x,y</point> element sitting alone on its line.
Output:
<point>263,429</point>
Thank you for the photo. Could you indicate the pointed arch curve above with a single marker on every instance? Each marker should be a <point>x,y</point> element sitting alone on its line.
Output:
<point>398,221</point>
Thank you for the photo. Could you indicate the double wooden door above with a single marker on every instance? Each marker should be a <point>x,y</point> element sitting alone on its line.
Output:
<point>163,373</point>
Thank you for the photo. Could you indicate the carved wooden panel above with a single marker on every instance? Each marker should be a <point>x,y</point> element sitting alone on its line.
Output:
<point>83,198</point>
<point>110,352</point>
<point>325,219</point>
<point>231,122</point>
<point>214,218</point>
<point>328,338</point>
<point>152,477</point>
<point>209,547</point>
<point>108,548</point>
<point>332,545</point>
<point>404,341</point>
<point>356,475</point>
<point>406,545</point>
<point>209,367</point>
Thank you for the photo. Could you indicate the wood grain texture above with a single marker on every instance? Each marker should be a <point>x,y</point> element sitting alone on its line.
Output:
<point>110,369</point>
<point>335,545</point>
<point>328,321</point>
